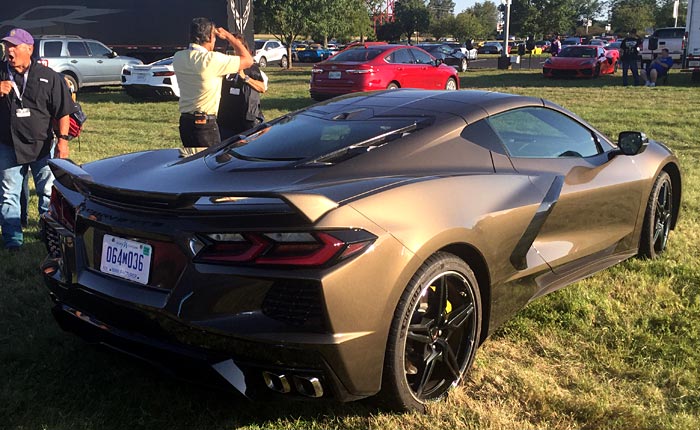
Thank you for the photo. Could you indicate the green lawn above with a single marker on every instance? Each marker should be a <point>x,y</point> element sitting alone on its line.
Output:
<point>616,351</point>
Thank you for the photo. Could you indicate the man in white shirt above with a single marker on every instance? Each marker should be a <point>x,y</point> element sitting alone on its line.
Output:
<point>199,70</point>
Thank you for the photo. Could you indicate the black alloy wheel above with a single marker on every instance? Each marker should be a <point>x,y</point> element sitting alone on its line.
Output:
<point>657,218</point>
<point>434,334</point>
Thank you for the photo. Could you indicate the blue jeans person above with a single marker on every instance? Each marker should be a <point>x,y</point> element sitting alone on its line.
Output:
<point>632,66</point>
<point>11,178</point>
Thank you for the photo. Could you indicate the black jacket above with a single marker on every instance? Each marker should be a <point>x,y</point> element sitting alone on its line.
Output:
<point>240,103</point>
<point>47,97</point>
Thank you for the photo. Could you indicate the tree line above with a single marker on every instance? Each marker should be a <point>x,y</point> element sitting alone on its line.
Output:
<point>346,20</point>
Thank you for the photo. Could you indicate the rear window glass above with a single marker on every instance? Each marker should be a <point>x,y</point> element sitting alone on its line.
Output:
<point>356,54</point>
<point>164,62</point>
<point>670,33</point>
<point>52,49</point>
<point>301,137</point>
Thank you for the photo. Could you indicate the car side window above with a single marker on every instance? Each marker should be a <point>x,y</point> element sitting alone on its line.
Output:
<point>52,49</point>
<point>400,56</point>
<point>536,132</point>
<point>77,49</point>
<point>99,50</point>
<point>422,57</point>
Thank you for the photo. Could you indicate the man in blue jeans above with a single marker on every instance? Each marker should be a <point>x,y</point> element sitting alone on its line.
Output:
<point>629,54</point>
<point>31,96</point>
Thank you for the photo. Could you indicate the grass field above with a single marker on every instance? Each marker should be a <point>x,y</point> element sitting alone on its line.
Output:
<point>618,350</point>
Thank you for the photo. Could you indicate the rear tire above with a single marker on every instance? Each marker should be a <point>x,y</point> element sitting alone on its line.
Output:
<point>464,65</point>
<point>392,86</point>
<point>284,63</point>
<point>451,84</point>
<point>657,218</point>
<point>434,334</point>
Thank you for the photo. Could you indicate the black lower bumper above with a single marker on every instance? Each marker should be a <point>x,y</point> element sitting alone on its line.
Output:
<point>252,369</point>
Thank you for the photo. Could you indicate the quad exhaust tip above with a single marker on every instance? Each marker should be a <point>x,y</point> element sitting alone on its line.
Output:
<point>279,383</point>
<point>309,386</point>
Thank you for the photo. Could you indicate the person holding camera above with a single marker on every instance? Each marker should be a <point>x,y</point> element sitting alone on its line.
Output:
<point>199,70</point>
<point>658,68</point>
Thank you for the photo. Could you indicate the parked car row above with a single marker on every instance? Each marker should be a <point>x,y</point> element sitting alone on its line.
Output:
<point>379,67</point>
<point>84,62</point>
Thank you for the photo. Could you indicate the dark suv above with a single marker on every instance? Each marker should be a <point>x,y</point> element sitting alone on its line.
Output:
<point>85,62</point>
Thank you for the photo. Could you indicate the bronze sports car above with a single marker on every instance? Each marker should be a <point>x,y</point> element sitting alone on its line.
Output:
<point>366,245</point>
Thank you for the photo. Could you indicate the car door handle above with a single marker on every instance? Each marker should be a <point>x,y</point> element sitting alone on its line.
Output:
<point>399,68</point>
<point>100,61</point>
<point>73,61</point>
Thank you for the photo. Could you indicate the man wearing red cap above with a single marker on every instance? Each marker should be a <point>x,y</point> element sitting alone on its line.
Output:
<point>31,95</point>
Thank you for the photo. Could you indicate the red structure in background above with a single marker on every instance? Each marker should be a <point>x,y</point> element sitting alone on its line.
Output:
<point>382,13</point>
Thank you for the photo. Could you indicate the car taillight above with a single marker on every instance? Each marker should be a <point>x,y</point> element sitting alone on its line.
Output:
<point>316,70</point>
<point>306,249</point>
<point>361,70</point>
<point>44,62</point>
<point>166,73</point>
<point>61,210</point>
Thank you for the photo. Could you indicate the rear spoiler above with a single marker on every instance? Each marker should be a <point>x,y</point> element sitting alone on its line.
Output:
<point>70,175</point>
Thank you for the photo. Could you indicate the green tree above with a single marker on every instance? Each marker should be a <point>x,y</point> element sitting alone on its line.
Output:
<point>484,21</point>
<point>664,13</point>
<point>389,32</point>
<point>443,27</point>
<point>626,15</point>
<point>441,9</point>
<point>339,18</point>
<point>285,19</point>
<point>468,26</point>
<point>411,16</point>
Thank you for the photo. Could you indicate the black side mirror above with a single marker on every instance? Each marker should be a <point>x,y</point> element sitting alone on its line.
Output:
<point>632,142</point>
<point>438,61</point>
<point>113,54</point>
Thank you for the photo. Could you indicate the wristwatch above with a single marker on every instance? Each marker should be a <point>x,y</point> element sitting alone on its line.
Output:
<point>64,136</point>
<point>247,78</point>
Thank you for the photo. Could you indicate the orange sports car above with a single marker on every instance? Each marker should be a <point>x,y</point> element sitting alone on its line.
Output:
<point>582,61</point>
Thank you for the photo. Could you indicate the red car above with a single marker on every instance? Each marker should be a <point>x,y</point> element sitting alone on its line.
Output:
<point>379,67</point>
<point>581,61</point>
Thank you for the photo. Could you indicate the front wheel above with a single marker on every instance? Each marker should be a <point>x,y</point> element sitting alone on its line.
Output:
<point>71,82</point>
<point>284,63</point>
<point>262,63</point>
<point>451,84</point>
<point>392,86</point>
<point>464,65</point>
<point>657,218</point>
<point>434,333</point>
